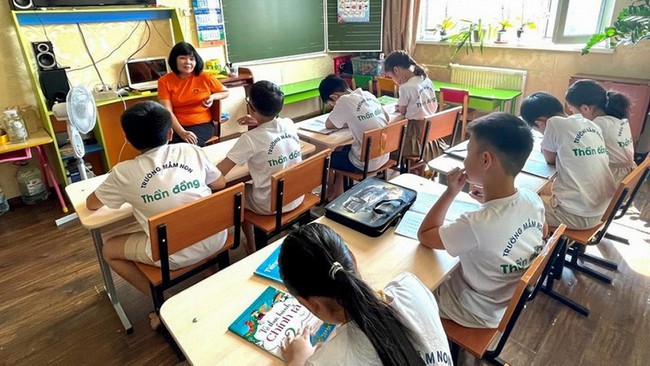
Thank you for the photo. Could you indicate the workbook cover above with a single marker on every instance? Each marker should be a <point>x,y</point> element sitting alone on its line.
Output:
<point>269,268</point>
<point>274,316</point>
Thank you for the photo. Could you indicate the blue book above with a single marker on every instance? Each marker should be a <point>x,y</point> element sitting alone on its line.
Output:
<point>269,268</point>
<point>274,316</point>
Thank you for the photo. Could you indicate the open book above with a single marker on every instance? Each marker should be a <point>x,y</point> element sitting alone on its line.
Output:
<point>274,316</point>
<point>269,268</point>
<point>412,219</point>
<point>316,125</point>
<point>385,99</point>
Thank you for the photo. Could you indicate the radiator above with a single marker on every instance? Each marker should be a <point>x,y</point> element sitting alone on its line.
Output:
<point>489,77</point>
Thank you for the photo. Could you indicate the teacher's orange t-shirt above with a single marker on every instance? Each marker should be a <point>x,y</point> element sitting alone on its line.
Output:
<point>187,94</point>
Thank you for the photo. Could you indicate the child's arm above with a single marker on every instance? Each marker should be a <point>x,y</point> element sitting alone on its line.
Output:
<point>429,234</point>
<point>225,166</point>
<point>218,184</point>
<point>93,203</point>
<point>549,156</point>
<point>330,125</point>
<point>401,110</point>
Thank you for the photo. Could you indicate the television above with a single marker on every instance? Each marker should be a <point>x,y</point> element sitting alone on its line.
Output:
<point>33,4</point>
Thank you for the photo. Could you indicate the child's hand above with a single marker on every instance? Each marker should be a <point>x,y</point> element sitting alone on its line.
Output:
<point>456,180</point>
<point>476,192</point>
<point>296,351</point>
<point>247,121</point>
<point>207,102</point>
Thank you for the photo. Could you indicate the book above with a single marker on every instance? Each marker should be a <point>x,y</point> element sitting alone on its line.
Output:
<point>412,219</point>
<point>385,99</point>
<point>316,125</point>
<point>274,316</point>
<point>269,268</point>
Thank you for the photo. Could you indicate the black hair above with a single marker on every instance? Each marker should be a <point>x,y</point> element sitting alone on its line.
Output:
<point>403,60</point>
<point>266,98</point>
<point>146,125</point>
<point>507,136</point>
<point>184,49</point>
<point>330,85</point>
<point>589,92</point>
<point>305,261</point>
<point>540,104</point>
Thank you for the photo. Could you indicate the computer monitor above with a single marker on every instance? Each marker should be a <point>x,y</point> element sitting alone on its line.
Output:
<point>143,73</point>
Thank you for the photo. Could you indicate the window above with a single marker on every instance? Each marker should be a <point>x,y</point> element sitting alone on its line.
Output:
<point>532,21</point>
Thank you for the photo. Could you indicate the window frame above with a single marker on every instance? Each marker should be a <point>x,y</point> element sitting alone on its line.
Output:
<point>558,36</point>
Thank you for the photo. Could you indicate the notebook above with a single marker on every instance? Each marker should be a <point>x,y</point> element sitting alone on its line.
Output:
<point>274,316</point>
<point>269,268</point>
<point>316,125</point>
<point>412,219</point>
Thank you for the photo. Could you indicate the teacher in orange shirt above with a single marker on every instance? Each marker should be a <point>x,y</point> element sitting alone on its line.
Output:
<point>188,93</point>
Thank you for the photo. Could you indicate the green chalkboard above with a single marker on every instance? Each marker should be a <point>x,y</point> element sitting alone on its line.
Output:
<point>354,36</point>
<point>263,29</point>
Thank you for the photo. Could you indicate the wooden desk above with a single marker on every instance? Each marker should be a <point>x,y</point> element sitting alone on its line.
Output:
<point>496,97</point>
<point>337,138</point>
<point>39,138</point>
<point>198,318</point>
<point>94,221</point>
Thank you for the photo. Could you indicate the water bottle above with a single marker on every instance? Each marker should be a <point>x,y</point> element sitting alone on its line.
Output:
<point>31,184</point>
<point>4,205</point>
<point>15,126</point>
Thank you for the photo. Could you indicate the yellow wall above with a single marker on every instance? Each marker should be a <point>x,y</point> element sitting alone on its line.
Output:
<point>15,87</point>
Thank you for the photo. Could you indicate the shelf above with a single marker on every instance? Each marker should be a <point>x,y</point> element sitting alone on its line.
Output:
<point>103,15</point>
<point>90,149</point>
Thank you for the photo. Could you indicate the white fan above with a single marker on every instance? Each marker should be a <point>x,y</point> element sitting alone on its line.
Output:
<point>81,113</point>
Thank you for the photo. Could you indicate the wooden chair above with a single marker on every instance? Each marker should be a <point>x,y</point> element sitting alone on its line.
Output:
<point>375,143</point>
<point>618,205</point>
<point>179,228</point>
<point>441,124</point>
<point>363,82</point>
<point>477,340</point>
<point>215,111</point>
<point>286,186</point>
<point>386,85</point>
<point>457,97</point>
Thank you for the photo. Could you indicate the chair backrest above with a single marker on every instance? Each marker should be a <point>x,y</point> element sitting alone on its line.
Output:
<point>441,124</point>
<point>386,85</point>
<point>215,113</point>
<point>363,82</point>
<point>194,221</point>
<point>634,181</point>
<point>526,286</point>
<point>383,140</point>
<point>300,179</point>
<point>456,96</point>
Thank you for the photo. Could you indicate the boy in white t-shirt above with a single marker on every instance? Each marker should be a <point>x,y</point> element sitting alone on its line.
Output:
<point>584,184</point>
<point>270,147</point>
<point>153,183</point>
<point>361,112</point>
<point>496,243</point>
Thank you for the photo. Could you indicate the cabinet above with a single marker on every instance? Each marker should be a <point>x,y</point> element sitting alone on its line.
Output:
<point>638,90</point>
<point>108,132</point>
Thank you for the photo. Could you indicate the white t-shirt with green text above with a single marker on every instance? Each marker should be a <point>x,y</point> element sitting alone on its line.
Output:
<point>161,179</point>
<point>618,141</point>
<point>268,148</point>
<point>495,246</point>
<point>584,184</point>
<point>361,112</point>
<point>418,95</point>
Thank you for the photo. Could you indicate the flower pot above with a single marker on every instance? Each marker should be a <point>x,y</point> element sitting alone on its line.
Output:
<point>501,36</point>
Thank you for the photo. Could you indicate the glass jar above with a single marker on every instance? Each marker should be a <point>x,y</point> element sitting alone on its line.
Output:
<point>15,126</point>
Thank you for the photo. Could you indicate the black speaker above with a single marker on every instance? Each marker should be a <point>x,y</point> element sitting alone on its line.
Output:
<point>21,4</point>
<point>54,84</point>
<point>44,53</point>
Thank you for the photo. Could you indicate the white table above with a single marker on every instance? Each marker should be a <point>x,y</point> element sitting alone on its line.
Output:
<point>337,138</point>
<point>198,318</point>
<point>103,217</point>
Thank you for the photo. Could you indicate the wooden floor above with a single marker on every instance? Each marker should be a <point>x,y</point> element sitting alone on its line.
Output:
<point>53,309</point>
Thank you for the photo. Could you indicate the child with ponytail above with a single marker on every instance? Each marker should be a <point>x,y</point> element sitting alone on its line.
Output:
<point>398,326</point>
<point>608,110</point>
<point>417,102</point>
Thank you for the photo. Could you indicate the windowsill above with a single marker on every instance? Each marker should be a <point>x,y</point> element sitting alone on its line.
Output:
<point>538,46</point>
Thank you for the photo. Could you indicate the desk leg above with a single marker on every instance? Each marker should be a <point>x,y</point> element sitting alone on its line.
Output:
<point>49,176</point>
<point>108,281</point>
<point>513,105</point>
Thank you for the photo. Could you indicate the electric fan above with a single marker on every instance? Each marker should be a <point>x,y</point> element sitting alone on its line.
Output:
<point>80,112</point>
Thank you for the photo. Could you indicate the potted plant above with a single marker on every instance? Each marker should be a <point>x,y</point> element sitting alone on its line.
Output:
<point>471,33</point>
<point>503,28</point>
<point>524,24</point>
<point>444,26</point>
<point>631,26</point>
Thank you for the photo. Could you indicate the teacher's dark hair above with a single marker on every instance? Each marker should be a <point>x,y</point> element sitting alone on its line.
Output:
<point>146,125</point>
<point>590,93</point>
<point>184,49</point>
<point>305,261</point>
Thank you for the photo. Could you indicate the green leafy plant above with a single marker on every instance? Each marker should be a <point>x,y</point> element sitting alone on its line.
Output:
<point>521,24</point>
<point>504,24</point>
<point>470,34</point>
<point>630,27</point>
<point>445,26</point>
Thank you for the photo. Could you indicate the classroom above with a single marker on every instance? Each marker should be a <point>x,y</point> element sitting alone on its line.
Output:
<point>325,182</point>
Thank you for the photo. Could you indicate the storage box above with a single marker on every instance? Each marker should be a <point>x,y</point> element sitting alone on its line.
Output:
<point>364,65</point>
<point>342,65</point>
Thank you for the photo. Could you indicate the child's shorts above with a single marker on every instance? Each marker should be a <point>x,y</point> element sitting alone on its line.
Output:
<point>555,216</point>
<point>340,160</point>
<point>135,248</point>
<point>451,308</point>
